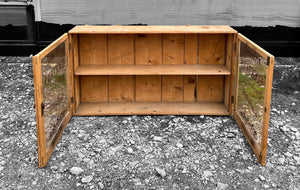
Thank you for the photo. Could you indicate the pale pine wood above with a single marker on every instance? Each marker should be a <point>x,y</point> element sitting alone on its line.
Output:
<point>254,46</point>
<point>121,89</point>
<point>212,48</point>
<point>93,49</point>
<point>173,54</point>
<point>267,102</point>
<point>210,88</point>
<point>148,48</point>
<point>191,49</point>
<point>45,152</point>
<point>148,88</point>
<point>228,63</point>
<point>153,70</point>
<point>190,89</point>
<point>259,150</point>
<point>172,88</point>
<point>93,88</point>
<point>191,58</point>
<point>173,49</point>
<point>120,49</point>
<point>151,108</point>
<point>52,46</point>
<point>150,29</point>
<point>121,52</point>
<point>76,82</point>
<point>41,140</point>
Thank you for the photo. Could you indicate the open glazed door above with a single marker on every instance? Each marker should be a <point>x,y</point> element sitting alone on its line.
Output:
<point>52,95</point>
<point>254,72</point>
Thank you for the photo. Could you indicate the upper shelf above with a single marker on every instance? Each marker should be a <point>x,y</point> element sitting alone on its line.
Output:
<point>151,29</point>
<point>153,70</point>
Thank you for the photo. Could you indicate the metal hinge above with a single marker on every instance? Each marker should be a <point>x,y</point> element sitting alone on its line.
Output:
<point>42,108</point>
<point>232,99</point>
<point>234,46</point>
<point>268,60</point>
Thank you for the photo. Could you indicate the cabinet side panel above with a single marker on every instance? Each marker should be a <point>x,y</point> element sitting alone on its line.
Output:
<point>212,48</point>
<point>173,54</point>
<point>93,88</point>
<point>148,49</point>
<point>228,63</point>
<point>211,89</point>
<point>93,49</point>
<point>148,88</point>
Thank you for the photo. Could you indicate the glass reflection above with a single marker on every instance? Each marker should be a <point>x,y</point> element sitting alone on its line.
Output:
<point>251,90</point>
<point>55,102</point>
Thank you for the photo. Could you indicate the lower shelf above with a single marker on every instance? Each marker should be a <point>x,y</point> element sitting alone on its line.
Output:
<point>151,108</point>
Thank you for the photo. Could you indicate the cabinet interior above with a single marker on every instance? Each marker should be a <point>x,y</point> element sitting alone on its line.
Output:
<point>125,74</point>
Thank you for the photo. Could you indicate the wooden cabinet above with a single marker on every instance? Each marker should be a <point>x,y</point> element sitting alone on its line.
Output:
<point>152,70</point>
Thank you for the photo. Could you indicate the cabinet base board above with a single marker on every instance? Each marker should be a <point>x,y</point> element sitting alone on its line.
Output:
<point>151,108</point>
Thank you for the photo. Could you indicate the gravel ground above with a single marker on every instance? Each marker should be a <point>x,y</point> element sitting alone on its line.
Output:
<point>148,152</point>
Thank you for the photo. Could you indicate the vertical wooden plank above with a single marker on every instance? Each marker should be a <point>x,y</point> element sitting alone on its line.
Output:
<point>190,58</point>
<point>121,49</point>
<point>267,102</point>
<point>121,89</point>
<point>173,53</point>
<point>211,89</point>
<point>38,92</point>
<point>191,49</point>
<point>190,88</point>
<point>148,49</point>
<point>93,49</point>
<point>76,90</point>
<point>172,87</point>
<point>93,89</point>
<point>173,49</point>
<point>121,52</point>
<point>227,89</point>
<point>148,88</point>
<point>212,48</point>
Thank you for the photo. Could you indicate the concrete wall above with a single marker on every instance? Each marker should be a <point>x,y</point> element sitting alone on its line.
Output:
<point>170,12</point>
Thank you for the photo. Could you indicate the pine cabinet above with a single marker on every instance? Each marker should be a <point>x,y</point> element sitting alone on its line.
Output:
<point>152,70</point>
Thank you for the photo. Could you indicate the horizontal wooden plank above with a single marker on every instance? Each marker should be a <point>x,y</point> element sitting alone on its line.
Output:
<point>153,108</point>
<point>153,70</point>
<point>151,29</point>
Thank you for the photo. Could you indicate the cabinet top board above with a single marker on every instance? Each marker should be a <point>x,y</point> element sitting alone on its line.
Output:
<point>117,29</point>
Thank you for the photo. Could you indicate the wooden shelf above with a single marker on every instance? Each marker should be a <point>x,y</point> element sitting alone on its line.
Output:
<point>151,108</point>
<point>151,29</point>
<point>153,70</point>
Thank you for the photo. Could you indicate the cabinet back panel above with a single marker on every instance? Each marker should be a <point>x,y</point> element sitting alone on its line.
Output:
<point>121,49</point>
<point>93,49</point>
<point>210,88</point>
<point>148,49</point>
<point>148,88</point>
<point>153,49</point>
<point>121,88</point>
<point>93,88</point>
<point>212,48</point>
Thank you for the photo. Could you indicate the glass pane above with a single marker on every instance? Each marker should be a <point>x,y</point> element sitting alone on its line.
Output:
<point>251,90</point>
<point>55,102</point>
